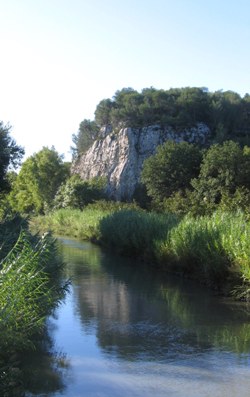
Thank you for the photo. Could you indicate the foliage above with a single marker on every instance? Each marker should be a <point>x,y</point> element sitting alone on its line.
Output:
<point>74,222</point>
<point>239,200</point>
<point>102,112</point>
<point>171,169</point>
<point>112,206</point>
<point>179,203</point>
<point>226,113</point>
<point>10,229</point>
<point>30,288</point>
<point>133,233</point>
<point>10,155</point>
<point>38,181</point>
<point>86,135</point>
<point>25,297</point>
<point>211,249</point>
<point>76,193</point>
<point>224,169</point>
<point>70,222</point>
<point>222,178</point>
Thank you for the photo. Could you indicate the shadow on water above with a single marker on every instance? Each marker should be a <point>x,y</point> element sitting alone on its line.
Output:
<point>140,312</point>
<point>44,368</point>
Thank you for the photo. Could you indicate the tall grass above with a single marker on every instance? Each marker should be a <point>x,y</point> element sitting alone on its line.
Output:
<point>214,249</point>
<point>10,228</point>
<point>77,223</point>
<point>28,293</point>
<point>135,233</point>
<point>25,296</point>
<point>70,222</point>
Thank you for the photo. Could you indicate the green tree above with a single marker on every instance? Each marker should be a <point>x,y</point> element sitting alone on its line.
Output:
<point>38,181</point>
<point>192,105</point>
<point>10,156</point>
<point>86,135</point>
<point>76,193</point>
<point>224,169</point>
<point>171,169</point>
<point>103,112</point>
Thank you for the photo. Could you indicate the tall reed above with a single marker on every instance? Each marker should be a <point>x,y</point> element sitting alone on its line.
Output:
<point>214,249</point>
<point>27,296</point>
<point>135,233</point>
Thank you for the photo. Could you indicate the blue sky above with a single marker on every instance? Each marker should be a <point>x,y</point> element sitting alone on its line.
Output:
<point>59,58</point>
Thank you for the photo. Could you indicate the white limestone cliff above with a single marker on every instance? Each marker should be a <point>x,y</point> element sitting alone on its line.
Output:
<point>120,156</point>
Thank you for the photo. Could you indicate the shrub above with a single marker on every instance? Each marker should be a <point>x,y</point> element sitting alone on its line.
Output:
<point>76,193</point>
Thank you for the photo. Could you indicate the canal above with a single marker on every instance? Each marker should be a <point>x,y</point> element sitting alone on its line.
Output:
<point>125,330</point>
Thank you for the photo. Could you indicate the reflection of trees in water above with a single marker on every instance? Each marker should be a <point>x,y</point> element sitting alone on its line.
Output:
<point>140,311</point>
<point>39,371</point>
<point>44,369</point>
<point>224,323</point>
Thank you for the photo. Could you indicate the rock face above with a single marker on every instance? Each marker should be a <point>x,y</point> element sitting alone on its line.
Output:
<point>120,157</point>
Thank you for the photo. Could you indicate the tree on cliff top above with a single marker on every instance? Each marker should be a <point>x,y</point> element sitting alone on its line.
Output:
<point>85,137</point>
<point>178,107</point>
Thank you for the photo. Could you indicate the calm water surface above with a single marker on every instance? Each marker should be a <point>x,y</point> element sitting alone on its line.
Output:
<point>124,331</point>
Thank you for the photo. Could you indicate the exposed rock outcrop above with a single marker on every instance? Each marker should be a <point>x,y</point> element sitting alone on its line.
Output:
<point>120,156</point>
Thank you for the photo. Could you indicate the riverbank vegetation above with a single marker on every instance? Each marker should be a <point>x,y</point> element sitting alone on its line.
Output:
<point>213,249</point>
<point>190,213</point>
<point>30,282</point>
<point>30,288</point>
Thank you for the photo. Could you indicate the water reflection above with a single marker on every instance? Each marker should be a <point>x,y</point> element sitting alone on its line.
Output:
<point>139,314</point>
<point>44,368</point>
<point>128,331</point>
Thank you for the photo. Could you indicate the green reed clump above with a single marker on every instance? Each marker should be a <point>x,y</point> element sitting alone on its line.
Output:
<point>82,224</point>
<point>30,288</point>
<point>135,233</point>
<point>10,228</point>
<point>25,291</point>
<point>196,246</point>
<point>70,222</point>
<point>212,248</point>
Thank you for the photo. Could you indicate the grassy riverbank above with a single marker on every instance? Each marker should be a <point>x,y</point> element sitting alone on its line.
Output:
<point>214,250</point>
<point>29,292</point>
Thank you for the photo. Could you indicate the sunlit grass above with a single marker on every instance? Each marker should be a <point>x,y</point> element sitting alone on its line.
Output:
<point>30,288</point>
<point>214,249</point>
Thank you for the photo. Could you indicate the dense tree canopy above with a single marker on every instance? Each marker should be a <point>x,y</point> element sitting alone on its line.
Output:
<point>38,181</point>
<point>226,113</point>
<point>171,169</point>
<point>10,155</point>
<point>224,169</point>
<point>180,178</point>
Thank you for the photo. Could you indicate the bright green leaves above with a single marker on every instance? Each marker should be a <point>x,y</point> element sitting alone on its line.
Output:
<point>25,296</point>
<point>38,181</point>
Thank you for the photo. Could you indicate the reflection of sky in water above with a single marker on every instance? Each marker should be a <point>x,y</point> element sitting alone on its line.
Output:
<point>97,373</point>
<point>126,333</point>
